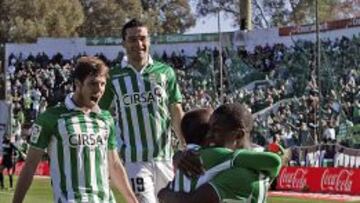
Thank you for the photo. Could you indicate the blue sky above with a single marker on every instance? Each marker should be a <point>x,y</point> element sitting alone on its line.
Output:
<point>209,24</point>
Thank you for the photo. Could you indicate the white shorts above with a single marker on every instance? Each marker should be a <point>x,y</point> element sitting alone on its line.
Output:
<point>148,178</point>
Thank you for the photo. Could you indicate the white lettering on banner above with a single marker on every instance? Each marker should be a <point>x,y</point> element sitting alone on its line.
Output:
<point>337,182</point>
<point>295,180</point>
<point>355,22</point>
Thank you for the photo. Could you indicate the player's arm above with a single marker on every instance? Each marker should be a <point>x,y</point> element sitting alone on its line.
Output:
<point>21,153</point>
<point>33,158</point>
<point>177,113</point>
<point>41,132</point>
<point>266,162</point>
<point>204,194</point>
<point>175,108</point>
<point>282,150</point>
<point>119,177</point>
<point>189,162</point>
<point>116,169</point>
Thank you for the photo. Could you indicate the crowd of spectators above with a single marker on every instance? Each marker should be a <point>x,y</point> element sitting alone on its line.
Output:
<point>292,104</point>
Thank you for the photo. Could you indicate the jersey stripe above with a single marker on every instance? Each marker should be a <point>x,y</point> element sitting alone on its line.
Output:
<point>67,166</point>
<point>140,119</point>
<point>68,130</point>
<point>57,150</point>
<point>145,119</point>
<point>135,122</point>
<point>128,118</point>
<point>98,157</point>
<point>102,127</point>
<point>86,157</point>
<point>123,122</point>
<point>73,128</point>
<point>210,173</point>
<point>160,124</point>
<point>55,169</point>
<point>92,173</point>
<point>152,121</point>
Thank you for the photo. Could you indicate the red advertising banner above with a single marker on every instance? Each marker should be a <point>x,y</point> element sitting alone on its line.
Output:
<point>323,180</point>
<point>43,168</point>
<point>327,26</point>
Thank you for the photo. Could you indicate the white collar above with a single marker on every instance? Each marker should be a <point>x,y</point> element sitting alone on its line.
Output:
<point>70,105</point>
<point>127,65</point>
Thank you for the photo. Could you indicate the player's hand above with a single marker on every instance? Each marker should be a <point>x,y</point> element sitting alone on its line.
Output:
<point>161,195</point>
<point>189,162</point>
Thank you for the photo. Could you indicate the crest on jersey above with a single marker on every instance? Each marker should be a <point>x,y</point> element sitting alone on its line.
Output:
<point>158,79</point>
<point>35,133</point>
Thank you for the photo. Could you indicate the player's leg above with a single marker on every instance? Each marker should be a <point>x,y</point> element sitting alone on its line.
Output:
<point>1,177</point>
<point>141,179</point>
<point>10,174</point>
<point>164,174</point>
<point>8,165</point>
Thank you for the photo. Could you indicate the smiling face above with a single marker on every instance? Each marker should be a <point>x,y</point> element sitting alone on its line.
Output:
<point>89,91</point>
<point>137,45</point>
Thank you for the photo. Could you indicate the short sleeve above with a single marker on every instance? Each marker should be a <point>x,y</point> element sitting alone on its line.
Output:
<point>112,134</point>
<point>173,89</point>
<point>41,131</point>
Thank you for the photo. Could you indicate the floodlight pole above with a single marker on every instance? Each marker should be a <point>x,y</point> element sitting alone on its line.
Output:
<point>221,96</point>
<point>318,61</point>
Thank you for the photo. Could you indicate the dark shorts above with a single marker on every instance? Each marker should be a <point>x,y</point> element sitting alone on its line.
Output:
<point>7,162</point>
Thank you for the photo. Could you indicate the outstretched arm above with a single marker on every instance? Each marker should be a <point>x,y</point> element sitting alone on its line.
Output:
<point>177,113</point>
<point>33,158</point>
<point>119,177</point>
<point>266,162</point>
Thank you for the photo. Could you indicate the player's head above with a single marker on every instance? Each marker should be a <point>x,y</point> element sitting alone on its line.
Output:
<point>89,76</point>
<point>136,40</point>
<point>195,126</point>
<point>230,126</point>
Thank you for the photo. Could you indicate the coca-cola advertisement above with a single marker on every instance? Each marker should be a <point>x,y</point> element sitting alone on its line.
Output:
<point>324,180</point>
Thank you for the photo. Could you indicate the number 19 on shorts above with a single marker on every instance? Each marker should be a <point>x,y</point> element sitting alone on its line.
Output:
<point>137,184</point>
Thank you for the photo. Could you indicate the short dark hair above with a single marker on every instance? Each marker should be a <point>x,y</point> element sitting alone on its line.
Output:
<point>89,65</point>
<point>195,125</point>
<point>130,24</point>
<point>231,117</point>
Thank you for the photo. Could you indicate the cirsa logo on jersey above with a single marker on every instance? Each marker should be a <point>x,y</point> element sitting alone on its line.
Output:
<point>84,139</point>
<point>35,133</point>
<point>143,97</point>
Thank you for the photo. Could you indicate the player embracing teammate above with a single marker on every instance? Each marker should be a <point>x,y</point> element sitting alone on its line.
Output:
<point>233,172</point>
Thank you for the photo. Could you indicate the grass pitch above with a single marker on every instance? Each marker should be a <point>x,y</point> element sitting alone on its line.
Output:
<point>40,192</point>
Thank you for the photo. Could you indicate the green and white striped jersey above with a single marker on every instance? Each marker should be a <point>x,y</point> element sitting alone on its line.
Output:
<point>142,105</point>
<point>78,146</point>
<point>241,185</point>
<point>216,160</point>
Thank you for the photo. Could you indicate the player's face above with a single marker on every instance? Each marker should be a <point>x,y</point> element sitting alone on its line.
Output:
<point>137,43</point>
<point>227,139</point>
<point>90,91</point>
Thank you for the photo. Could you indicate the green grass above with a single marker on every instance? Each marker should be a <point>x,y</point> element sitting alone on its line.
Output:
<point>40,192</point>
<point>292,200</point>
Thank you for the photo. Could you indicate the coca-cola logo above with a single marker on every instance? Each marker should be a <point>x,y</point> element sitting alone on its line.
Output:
<point>293,180</point>
<point>337,181</point>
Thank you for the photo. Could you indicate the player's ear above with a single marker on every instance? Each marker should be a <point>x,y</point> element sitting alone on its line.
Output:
<point>77,83</point>
<point>241,134</point>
